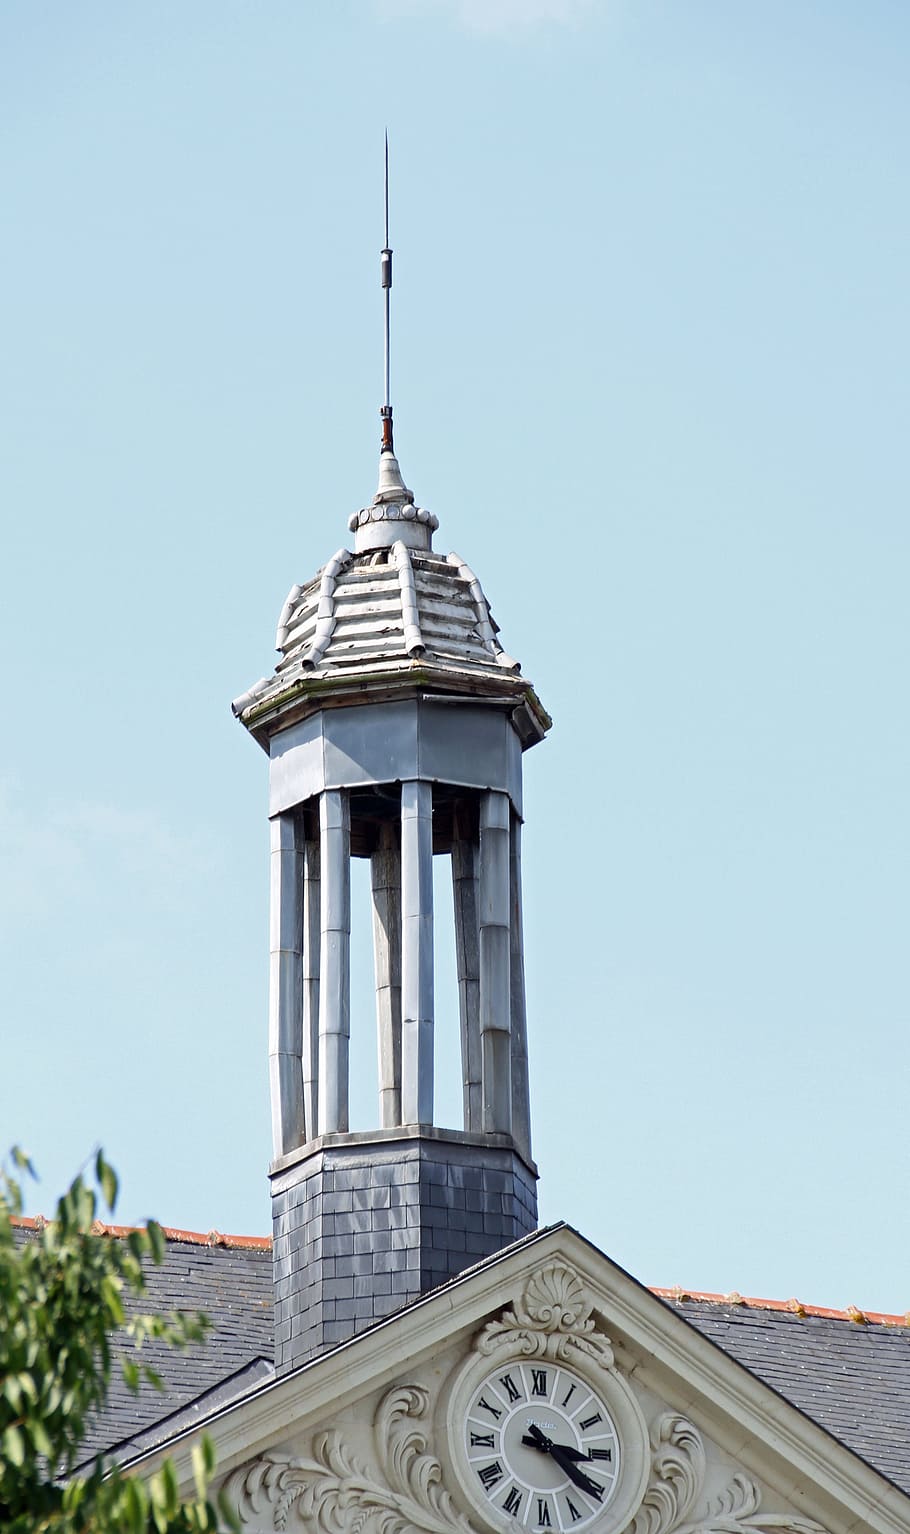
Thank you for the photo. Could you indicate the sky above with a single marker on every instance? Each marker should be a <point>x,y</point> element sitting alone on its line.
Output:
<point>649,368</point>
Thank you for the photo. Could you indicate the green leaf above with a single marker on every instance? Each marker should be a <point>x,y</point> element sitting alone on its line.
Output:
<point>61,1297</point>
<point>40,1438</point>
<point>156,1241</point>
<point>107,1177</point>
<point>23,1162</point>
<point>203,1459</point>
<point>227,1512</point>
<point>131,1374</point>
<point>14,1445</point>
<point>110,1292</point>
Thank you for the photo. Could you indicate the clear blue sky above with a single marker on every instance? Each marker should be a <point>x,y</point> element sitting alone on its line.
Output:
<point>650,370</point>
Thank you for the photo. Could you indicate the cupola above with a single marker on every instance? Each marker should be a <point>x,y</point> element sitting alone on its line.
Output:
<point>395,724</point>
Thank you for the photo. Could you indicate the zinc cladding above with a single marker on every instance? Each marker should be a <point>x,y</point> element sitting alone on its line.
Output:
<point>853,1379</point>
<point>380,611</point>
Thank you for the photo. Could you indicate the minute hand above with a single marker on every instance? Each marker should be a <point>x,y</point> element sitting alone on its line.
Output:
<point>567,1460</point>
<point>565,1457</point>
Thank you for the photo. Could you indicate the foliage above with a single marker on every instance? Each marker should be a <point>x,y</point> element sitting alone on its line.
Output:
<point>61,1299</point>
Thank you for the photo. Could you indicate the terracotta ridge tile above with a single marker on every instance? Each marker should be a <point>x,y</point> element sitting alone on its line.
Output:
<point>678,1296</point>
<point>675,1294</point>
<point>170,1233</point>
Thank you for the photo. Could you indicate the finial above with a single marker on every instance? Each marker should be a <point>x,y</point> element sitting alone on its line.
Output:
<point>392,516</point>
<point>385,269</point>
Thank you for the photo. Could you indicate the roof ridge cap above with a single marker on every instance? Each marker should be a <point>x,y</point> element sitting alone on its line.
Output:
<point>679,1296</point>
<point>676,1293</point>
<point>170,1232</point>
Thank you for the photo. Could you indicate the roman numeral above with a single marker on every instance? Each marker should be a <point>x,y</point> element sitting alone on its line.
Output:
<point>513,1501</point>
<point>538,1382</point>
<point>484,1405</point>
<point>573,1510</point>
<point>569,1394</point>
<point>590,1421</point>
<point>491,1475</point>
<point>543,1514</point>
<point>510,1387</point>
<point>482,1441</point>
<point>601,1454</point>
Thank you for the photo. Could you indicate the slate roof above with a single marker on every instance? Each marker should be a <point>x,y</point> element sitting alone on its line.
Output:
<point>848,1373</point>
<point>850,1376</point>
<point>233,1285</point>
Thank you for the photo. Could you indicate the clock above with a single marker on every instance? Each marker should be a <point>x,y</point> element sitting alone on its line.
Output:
<point>541,1445</point>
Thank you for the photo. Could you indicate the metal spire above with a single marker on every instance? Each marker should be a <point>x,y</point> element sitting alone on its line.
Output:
<point>386,278</point>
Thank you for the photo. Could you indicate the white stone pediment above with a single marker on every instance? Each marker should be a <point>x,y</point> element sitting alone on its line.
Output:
<point>377,1437</point>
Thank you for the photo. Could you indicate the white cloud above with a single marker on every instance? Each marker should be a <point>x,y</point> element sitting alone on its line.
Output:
<point>494,16</point>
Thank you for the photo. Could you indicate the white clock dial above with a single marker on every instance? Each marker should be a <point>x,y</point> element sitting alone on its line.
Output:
<point>541,1445</point>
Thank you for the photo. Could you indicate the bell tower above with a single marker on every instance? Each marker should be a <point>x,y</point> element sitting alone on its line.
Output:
<point>395,725</point>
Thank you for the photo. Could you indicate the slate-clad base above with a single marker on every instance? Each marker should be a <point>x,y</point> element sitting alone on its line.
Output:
<point>362,1227</point>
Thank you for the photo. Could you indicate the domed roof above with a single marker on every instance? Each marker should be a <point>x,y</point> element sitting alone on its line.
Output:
<point>391,615</point>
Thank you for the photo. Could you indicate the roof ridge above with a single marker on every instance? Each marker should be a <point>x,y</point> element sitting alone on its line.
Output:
<point>676,1293</point>
<point>679,1296</point>
<point>170,1233</point>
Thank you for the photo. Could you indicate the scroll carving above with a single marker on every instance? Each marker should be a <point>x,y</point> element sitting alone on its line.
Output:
<point>676,1492</point>
<point>551,1320</point>
<point>333,1493</point>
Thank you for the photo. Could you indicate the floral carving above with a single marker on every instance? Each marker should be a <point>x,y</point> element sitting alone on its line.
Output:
<point>333,1493</point>
<point>676,1490</point>
<point>551,1320</point>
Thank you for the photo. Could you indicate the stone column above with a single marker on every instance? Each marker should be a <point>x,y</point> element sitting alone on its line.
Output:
<point>417,953</point>
<point>385,871</point>
<point>285,986</point>
<point>521,1102</point>
<point>495,985</point>
<point>335,960</point>
<point>310,984</point>
<point>467,962</point>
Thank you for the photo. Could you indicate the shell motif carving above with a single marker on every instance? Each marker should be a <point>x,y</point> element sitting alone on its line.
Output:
<point>551,1320</point>
<point>676,1490</point>
<point>333,1493</point>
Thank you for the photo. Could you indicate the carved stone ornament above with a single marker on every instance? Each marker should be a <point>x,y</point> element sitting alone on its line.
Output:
<point>333,1493</point>
<point>674,1502</point>
<point>533,1359</point>
<point>551,1320</point>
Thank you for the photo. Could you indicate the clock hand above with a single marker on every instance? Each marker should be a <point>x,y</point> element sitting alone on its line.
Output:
<point>566,1458</point>
<point>535,1439</point>
<point>567,1462</point>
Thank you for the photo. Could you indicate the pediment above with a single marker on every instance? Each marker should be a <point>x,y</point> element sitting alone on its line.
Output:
<point>544,1390</point>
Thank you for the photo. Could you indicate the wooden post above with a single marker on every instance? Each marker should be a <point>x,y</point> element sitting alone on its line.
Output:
<point>285,986</point>
<point>310,981</point>
<point>417,952</point>
<point>495,990</point>
<point>385,870</point>
<point>335,960</point>
<point>521,1099</point>
<point>467,961</point>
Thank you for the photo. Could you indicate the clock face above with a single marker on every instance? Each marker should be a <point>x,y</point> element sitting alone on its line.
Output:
<point>541,1446</point>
